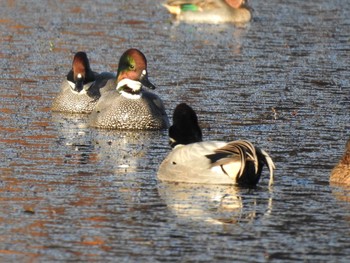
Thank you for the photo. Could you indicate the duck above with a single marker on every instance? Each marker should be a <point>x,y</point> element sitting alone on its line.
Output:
<point>340,174</point>
<point>195,161</point>
<point>210,11</point>
<point>81,88</point>
<point>128,106</point>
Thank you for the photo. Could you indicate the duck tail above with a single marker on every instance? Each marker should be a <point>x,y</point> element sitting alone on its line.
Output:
<point>270,164</point>
<point>232,158</point>
<point>173,9</point>
<point>241,161</point>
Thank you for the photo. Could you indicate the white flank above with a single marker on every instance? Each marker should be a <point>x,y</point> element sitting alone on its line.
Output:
<point>232,169</point>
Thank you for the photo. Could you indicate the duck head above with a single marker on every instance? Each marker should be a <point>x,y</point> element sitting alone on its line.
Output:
<point>81,74</point>
<point>236,3</point>
<point>132,73</point>
<point>185,128</point>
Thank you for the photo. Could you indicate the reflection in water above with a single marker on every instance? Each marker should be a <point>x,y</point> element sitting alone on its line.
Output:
<point>125,151</point>
<point>73,134</point>
<point>229,35</point>
<point>64,200</point>
<point>215,204</point>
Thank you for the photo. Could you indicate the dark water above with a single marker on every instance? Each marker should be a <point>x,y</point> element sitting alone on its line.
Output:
<point>72,193</point>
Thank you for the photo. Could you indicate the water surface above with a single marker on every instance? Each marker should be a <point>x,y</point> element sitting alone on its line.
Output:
<point>73,193</point>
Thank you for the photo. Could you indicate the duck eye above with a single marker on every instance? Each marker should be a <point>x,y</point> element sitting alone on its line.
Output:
<point>132,66</point>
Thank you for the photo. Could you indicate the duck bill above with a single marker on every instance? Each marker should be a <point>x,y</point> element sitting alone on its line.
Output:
<point>79,84</point>
<point>145,82</point>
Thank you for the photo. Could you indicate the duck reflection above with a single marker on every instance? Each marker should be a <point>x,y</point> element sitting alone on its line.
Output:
<point>118,150</point>
<point>216,204</point>
<point>75,136</point>
<point>126,150</point>
<point>211,35</point>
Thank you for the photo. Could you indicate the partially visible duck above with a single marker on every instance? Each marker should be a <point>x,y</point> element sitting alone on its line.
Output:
<point>209,162</point>
<point>80,90</point>
<point>341,172</point>
<point>210,11</point>
<point>129,106</point>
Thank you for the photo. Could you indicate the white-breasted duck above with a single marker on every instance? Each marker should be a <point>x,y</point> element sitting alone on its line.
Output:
<point>129,106</point>
<point>81,88</point>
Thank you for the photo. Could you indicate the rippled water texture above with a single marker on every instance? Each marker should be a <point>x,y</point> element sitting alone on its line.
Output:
<point>73,193</point>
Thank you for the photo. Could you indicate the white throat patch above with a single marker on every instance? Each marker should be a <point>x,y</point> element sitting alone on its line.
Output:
<point>131,96</point>
<point>83,91</point>
<point>132,84</point>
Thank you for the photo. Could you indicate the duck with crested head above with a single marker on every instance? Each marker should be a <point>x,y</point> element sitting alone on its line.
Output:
<point>341,172</point>
<point>210,11</point>
<point>209,162</point>
<point>81,89</point>
<point>128,106</point>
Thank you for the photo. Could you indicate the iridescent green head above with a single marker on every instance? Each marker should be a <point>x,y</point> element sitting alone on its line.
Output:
<point>133,66</point>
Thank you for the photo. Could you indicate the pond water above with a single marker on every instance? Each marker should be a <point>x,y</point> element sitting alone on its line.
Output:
<point>73,193</point>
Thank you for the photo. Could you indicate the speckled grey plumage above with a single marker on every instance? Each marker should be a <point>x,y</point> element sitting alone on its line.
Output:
<point>70,102</point>
<point>114,111</point>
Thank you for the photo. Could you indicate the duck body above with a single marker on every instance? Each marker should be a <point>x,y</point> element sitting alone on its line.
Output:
<point>81,89</point>
<point>114,111</point>
<point>212,162</point>
<point>209,162</point>
<point>209,11</point>
<point>341,172</point>
<point>188,163</point>
<point>84,101</point>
